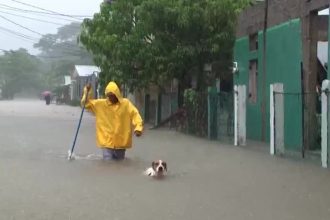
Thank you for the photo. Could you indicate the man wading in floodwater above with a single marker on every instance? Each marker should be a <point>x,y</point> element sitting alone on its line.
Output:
<point>115,117</point>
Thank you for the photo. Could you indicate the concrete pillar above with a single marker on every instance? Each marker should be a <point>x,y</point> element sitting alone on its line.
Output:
<point>240,115</point>
<point>276,119</point>
<point>324,123</point>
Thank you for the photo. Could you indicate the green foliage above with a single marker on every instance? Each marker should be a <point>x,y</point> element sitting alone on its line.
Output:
<point>153,41</point>
<point>190,97</point>
<point>195,104</point>
<point>18,70</point>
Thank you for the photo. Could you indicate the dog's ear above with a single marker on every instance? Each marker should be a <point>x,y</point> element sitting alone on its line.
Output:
<point>153,164</point>
<point>165,166</point>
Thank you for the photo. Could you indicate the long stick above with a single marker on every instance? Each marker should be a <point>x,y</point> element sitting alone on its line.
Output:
<point>77,131</point>
<point>75,138</point>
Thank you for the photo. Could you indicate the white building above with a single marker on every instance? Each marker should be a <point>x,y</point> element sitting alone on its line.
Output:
<point>81,75</point>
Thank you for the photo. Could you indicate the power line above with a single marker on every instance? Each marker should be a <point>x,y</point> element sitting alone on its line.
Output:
<point>59,46</point>
<point>30,18</point>
<point>32,38</point>
<point>39,13</point>
<point>3,17</point>
<point>54,12</point>
<point>48,12</point>
<point>18,34</point>
<point>63,46</point>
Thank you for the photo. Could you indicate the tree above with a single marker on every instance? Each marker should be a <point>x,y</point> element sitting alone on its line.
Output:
<point>153,41</point>
<point>18,71</point>
<point>192,34</point>
<point>63,44</point>
<point>60,52</point>
<point>109,37</point>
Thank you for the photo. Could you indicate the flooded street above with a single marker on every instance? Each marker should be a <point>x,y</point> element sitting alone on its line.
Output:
<point>206,180</point>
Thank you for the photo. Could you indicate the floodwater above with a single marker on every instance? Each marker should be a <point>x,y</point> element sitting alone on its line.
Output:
<point>206,180</point>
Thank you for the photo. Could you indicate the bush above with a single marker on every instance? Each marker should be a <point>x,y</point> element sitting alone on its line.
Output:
<point>195,104</point>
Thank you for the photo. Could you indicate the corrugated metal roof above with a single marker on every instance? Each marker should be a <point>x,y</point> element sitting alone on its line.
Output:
<point>86,70</point>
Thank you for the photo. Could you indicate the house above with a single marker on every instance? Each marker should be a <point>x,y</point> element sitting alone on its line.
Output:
<point>81,75</point>
<point>64,90</point>
<point>295,28</point>
<point>67,80</point>
<point>156,105</point>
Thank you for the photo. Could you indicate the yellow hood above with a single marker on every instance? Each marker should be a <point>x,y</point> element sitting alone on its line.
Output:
<point>113,88</point>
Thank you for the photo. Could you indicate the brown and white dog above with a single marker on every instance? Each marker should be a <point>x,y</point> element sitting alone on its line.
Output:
<point>158,169</point>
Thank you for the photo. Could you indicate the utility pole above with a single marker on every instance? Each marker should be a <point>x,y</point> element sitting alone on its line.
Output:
<point>264,97</point>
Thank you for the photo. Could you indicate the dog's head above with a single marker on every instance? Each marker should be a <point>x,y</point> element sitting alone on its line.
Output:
<point>159,166</point>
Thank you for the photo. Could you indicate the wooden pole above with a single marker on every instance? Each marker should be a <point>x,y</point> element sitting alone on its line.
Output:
<point>263,103</point>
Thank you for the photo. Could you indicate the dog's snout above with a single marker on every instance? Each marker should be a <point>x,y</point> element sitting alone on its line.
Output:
<point>160,169</point>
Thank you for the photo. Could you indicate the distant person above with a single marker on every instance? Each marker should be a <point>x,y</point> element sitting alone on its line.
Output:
<point>47,99</point>
<point>116,118</point>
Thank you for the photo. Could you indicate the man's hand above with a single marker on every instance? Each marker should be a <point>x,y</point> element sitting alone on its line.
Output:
<point>88,86</point>
<point>137,133</point>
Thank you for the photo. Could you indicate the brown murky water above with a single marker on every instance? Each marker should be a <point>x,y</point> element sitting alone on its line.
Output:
<point>207,180</point>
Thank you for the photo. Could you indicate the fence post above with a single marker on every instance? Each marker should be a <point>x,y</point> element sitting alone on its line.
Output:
<point>212,113</point>
<point>235,115</point>
<point>276,119</point>
<point>240,115</point>
<point>146,104</point>
<point>272,120</point>
<point>159,109</point>
<point>324,123</point>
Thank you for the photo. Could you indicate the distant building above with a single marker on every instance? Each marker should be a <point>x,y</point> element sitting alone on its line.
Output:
<point>81,75</point>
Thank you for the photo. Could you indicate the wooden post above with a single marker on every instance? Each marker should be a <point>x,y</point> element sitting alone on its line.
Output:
<point>309,38</point>
<point>264,61</point>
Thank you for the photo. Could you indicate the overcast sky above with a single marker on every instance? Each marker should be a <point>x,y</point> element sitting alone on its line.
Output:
<point>9,41</point>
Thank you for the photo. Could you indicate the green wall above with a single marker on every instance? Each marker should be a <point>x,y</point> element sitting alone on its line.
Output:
<point>243,56</point>
<point>284,55</point>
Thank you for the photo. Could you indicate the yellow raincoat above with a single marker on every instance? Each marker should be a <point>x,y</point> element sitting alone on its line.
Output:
<point>114,121</point>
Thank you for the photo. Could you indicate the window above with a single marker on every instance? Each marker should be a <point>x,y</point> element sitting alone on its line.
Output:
<point>253,41</point>
<point>253,82</point>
